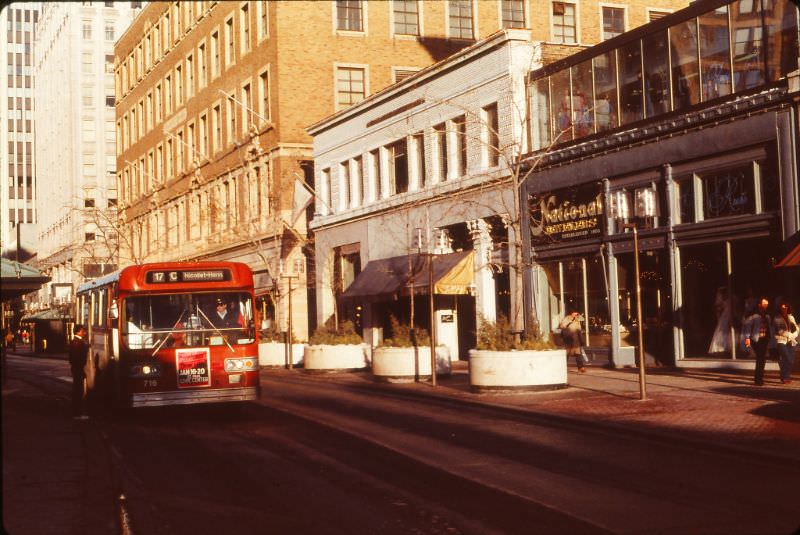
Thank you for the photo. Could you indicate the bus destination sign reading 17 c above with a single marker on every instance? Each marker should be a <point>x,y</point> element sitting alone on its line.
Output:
<point>178,276</point>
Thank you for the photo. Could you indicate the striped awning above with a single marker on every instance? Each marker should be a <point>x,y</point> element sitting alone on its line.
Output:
<point>792,259</point>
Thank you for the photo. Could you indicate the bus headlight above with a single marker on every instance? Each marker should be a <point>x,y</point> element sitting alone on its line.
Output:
<point>145,370</point>
<point>241,364</point>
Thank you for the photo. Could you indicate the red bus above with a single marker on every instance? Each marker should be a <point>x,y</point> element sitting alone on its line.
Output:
<point>171,333</point>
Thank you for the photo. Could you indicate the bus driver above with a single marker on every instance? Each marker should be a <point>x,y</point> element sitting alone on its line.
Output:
<point>224,318</point>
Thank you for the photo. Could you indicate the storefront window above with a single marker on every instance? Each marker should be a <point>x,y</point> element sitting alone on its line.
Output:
<point>685,68</point>
<point>656,303</point>
<point>748,49</point>
<point>630,75</point>
<point>605,83</point>
<point>562,107</point>
<point>706,309</point>
<point>582,98</point>
<point>770,182</point>
<point>715,70</point>
<point>577,284</point>
<point>656,74</point>
<point>728,192</point>
<point>685,191</point>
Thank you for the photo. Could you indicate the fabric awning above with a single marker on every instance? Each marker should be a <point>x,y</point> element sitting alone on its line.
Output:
<point>792,259</point>
<point>391,277</point>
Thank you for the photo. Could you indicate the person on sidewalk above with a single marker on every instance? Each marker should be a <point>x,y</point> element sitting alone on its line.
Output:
<point>10,340</point>
<point>757,332</point>
<point>786,332</point>
<point>78,354</point>
<point>572,335</point>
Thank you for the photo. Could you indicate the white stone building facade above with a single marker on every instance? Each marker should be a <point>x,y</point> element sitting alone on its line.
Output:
<point>432,152</point>
<point>75,140</point>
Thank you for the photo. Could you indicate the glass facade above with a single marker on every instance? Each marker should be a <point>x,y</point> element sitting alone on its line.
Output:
<point>733,48</point>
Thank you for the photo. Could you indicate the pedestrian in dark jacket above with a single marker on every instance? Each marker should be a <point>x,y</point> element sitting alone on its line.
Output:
<point>78,354</point>
<point>757,332</point>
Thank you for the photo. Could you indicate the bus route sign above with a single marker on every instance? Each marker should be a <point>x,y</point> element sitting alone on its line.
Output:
<point>193,367</point>
<point>175,276</point>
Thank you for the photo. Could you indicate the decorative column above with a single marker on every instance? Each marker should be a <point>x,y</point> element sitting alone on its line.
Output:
<point>485,291</point>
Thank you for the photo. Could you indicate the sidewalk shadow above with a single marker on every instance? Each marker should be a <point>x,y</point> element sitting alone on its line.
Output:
<point>782,403</point>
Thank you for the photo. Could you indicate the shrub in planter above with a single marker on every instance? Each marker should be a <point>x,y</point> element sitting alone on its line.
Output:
<point>328,334</point>
<point>272,348</point>
<point>403,337</point>
<point>497,336</point>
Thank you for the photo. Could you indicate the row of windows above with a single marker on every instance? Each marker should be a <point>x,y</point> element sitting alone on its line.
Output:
<point>460,16</point>
<point>236,202</point>
<point>402,166</point>
<point>179,19</point>
<point>110,32</point>
<point>230,117</point>
<point>728,50</point>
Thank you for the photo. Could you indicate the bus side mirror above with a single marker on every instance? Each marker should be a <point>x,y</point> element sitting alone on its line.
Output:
<point>113,310</point>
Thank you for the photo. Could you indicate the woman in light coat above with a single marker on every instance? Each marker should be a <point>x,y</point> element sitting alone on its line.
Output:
<point>786,331</point>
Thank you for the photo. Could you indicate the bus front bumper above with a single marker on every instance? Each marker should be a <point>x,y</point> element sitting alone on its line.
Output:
<point>189,397</point>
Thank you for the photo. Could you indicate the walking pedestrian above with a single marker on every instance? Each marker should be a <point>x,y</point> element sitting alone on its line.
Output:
<point>572,334</point>
<point>78,354</point>
<point>786,332</point>
<point>758,334</point>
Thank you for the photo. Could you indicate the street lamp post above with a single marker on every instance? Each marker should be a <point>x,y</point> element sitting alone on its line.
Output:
<point>645,209</point>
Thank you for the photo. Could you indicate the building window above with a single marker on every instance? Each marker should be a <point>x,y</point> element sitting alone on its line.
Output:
<point>89,237</point>
<point>231,111</point>
<point>513,13</point>
<point>398,166</point>
<point>263,19</point>
<point>654,14</point>
<point>247,111</point>
<point>491,137</point>
<point>419,154</point>
<point>178,86</point>
<point>349,15</point>
<point>203,136</point>
<point>230,52</point>
<point>245,25</point>
<point>201,65</point>
<point>376,176</point>
<point>613,22</point>
<point>400,74</point>
<point>215,54</point>
<point>326,190</point>
<point>460,19</point>
<point>440,146</point>
<point>406,17</point>
<point>189,76</point>
<point>216,118</point>
<point>109,32</point>
<point>87,30</point>
<point>564,23</point>
<point>88,203</point>
<point>168,94</point>
<point>344,185</point>
<point>460,127</point>
<point>263,108</point>
<point>350,87</point>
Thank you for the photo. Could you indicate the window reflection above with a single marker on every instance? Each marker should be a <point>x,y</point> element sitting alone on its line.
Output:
<point>685,68</point>
<point>562,108</point>
<point>748,50</point>
<point>582,98</point>
<point>780,19</point>
<point>630,76</point>
<point>540,106</point>
<point>656,77</point>
<point>605,80</point>
<point>728,192</point>
<point>715,71</point>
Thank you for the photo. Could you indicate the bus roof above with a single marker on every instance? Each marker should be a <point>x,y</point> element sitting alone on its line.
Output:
<point>134,277</point>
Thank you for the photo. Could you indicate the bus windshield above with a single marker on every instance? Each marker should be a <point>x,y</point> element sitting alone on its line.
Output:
<point>188,320</point>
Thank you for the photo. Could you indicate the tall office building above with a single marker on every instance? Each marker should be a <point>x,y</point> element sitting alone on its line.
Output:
<point>18,196</point>
<point>75,145</point>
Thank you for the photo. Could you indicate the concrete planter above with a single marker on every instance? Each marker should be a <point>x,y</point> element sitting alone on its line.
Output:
<point>517,370</point>
<point>272,354</point>
<point>341,357</point>
<point>405,364</point>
